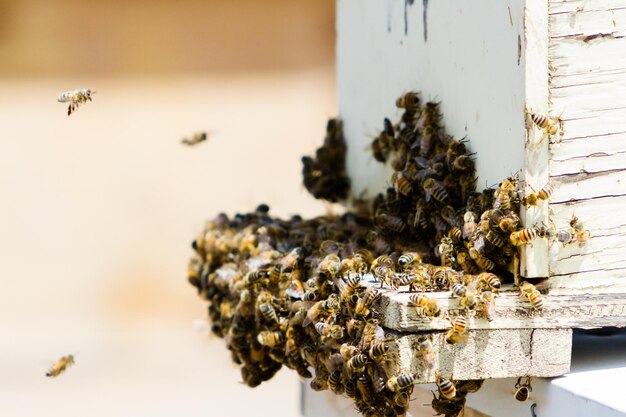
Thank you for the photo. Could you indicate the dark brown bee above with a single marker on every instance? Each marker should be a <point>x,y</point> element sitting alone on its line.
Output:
<point>335,381</point>
<point>402,185</point>
<point>435,189</point>
<point>268,313</point>
<point>409,101</point>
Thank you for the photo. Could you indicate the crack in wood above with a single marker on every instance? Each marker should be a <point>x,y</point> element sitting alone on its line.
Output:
<point>588,271</point>
<point>583,175</point>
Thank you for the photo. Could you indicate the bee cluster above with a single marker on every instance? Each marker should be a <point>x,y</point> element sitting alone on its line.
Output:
<point>296,293</point>
<point>301,292</point>
<point>325,175</point>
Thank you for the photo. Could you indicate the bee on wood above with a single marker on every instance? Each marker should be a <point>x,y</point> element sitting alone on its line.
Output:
<point>457,333</point>
<point>425,305</point>
<point>522,391</point>
<point>426,351</point>
<point>195,139</point>
<point>446,387</point>
<point>75,98</point>
<point>60,366</point>
<point>535,298</point>
<point>550,125</point>
<point>488,305</point>
<point>408,101</point>
<point>523,236</point>
<point>534,198</point>
<point>489,281</point>
<point>581,234</point>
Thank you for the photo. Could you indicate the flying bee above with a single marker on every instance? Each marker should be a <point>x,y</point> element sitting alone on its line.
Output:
<point>446,407</point>
<point>409,258</point>
<point>357,363</point>
<point>401,382</point>
<point>435,189</point>
<point>270,339</point>
<point>522,391</point>
<point>195,139</point>
<point>60,366</point>
<point>426,351</point>
<point>75,98</point>
<point>523,236</point>
<point>457,333</point>
<point>426,306</point>
<point>408,101</point>
<point>446,387</point>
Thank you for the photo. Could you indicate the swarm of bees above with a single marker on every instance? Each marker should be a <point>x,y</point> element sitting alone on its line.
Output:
<point>303,293</point>
<point>325,175</point>
<point>75,98</point>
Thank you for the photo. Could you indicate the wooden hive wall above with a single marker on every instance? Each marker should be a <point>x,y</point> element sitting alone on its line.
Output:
<point>587,85</point>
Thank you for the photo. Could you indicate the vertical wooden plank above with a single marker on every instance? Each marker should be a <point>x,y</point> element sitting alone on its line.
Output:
<point>534,258</point>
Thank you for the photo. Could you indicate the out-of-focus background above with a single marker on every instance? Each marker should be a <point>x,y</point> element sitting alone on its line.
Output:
<point>99,209</point>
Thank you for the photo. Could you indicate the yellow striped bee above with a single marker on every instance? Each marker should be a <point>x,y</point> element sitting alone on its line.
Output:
<point>435,189</point>
<point>550,126</point>
<point>533,198</point>
<point>426,306</point>
<point>522,391</point>
<point>523,236</point>
<point>409,258</point>
<point>357,363</point>
<point>457,333</point>
<point>535,298</point>
<point>60,366</point>
<point>401,382</point>
<point>195,139</point>
<point>75,98</point>
<point>408,101</point>
<point>426,351</point>
<point>446,387</point>
<point>581,234</point>
<point>270,339</point>
<point>401,184</point>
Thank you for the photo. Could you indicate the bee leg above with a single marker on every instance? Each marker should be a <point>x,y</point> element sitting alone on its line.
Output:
<point>69,110</point>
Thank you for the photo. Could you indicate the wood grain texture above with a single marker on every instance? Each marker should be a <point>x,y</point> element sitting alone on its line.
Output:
<point>500,353</point>
<point>512,312</point>
<point>588,168</point>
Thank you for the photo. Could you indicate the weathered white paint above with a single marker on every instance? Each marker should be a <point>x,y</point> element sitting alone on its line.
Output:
<point>534,258</point>
<point>588,169</point>
<point>469,63</point>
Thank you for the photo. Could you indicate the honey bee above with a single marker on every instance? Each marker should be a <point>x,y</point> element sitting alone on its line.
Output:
<point>482,261</point>
<point>401,184</point>
<point>409,258</point>
<point>469,227</point>
<point>401,382</point>
<point>330,265</point>
<point>495,239</point>
<point>426,351</point>
<point>60,366</point>
<point>445,251</point>
<point>463,163</point>
<point>446,387</point>
<point>456,235</point>
<point>447,407</point>
<point>323,307</point>
<point>522,391</point>
<point>256,276</point>
<point>523,236</point>
<point>348,351</point>
<point>550,126</point>
<point>195,139</point>
<point>408,101</point>
<point>535,298</point>
<point>533,198</point>
<point>488,304</point>
<point>268,313</point>
<point>426,306</point>
<point>457,333</point>
<point>357,363</point>
<point>489,280</point>
<point>270,339</point>
<point>469,386</point>
<point>435,189</point>
<point>75,98</point>
<point>335,381</point>
<point>581,234</point>
<point>365,302</point>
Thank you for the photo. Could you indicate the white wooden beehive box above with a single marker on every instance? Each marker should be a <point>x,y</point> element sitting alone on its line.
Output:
<point>489,62</point>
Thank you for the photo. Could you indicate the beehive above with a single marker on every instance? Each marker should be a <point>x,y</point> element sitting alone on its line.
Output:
<point>490,63</point>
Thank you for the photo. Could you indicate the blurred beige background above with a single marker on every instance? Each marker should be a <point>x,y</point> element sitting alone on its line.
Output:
<point>99,209</point>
